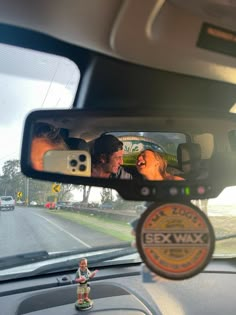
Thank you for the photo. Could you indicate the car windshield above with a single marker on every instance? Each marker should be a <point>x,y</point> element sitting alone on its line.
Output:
<point>222,214</point>
<point>6,198</point>
<point>48,221</point>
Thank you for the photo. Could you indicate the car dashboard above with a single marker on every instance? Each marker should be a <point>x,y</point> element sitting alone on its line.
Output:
<point>120,290</point>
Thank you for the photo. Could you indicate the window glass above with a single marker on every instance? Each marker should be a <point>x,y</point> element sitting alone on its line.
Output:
<point>30,80</point>
<point>222,214</point>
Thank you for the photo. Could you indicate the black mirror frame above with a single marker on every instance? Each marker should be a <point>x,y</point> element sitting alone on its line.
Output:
<point>140,190</point>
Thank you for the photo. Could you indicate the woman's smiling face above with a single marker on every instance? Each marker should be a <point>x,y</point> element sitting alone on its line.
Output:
<point>147,163</point>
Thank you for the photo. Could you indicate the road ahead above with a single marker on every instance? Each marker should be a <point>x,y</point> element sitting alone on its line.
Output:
<point>34,229</point>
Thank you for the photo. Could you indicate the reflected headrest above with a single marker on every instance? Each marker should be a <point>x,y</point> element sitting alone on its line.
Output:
<point>77,144</point>
<point>188,154</point>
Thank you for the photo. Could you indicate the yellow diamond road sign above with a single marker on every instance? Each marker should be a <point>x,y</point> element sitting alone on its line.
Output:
<point>56,187</point>
<point>19,194</point>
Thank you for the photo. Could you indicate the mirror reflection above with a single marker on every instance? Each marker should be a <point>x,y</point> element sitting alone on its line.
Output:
<point>124,155</point>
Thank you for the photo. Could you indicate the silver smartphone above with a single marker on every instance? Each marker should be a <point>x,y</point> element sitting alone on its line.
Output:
<point>70,162</point>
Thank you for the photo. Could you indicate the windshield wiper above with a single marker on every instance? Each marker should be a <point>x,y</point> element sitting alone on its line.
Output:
<point>225,237</point>
<point>107,252</point>
<point>96,258</point>
<point>33,257</point>
<point>90,250</point>
<point>22,259</point>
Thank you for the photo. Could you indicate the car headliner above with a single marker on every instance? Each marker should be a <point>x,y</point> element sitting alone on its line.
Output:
<point>158,34</point>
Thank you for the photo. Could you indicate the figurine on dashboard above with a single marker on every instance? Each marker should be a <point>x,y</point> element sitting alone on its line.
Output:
<point>83,275</point>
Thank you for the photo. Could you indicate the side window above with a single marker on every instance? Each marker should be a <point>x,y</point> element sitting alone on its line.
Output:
<point>206,142</point>
<point>29,80</point>
<point>232,139</point>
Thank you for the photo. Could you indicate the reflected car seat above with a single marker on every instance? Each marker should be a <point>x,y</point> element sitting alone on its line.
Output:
<point>77,144</point>
<point>189,160</point>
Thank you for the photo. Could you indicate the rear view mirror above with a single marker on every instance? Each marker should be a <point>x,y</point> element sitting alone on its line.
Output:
<point>140,155</point>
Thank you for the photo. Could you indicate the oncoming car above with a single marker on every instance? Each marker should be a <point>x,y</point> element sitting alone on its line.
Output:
<point>156,76</point>
<point>33,203</point>
<point>7,203</point>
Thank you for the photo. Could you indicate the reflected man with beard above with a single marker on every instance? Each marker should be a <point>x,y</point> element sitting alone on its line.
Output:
<point>107,158</point>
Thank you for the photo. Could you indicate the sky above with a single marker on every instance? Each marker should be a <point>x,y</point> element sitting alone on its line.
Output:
<point>95,195</point>
<point>30,80</point>
<point>226,197</point>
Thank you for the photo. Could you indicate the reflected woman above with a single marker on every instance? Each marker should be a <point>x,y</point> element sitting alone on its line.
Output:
<point>152,166</point>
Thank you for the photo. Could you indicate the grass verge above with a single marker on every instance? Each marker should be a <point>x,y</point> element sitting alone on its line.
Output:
<point>224,226</point>
<point>117,229</point>
<point>122,231</point>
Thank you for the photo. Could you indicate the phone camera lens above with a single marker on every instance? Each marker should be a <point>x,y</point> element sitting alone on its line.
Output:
<point>82,158</point>
<point>82,167</point>
<point>73,163</point>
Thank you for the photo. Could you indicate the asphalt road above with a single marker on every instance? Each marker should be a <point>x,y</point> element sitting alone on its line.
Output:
<point>33,229</point>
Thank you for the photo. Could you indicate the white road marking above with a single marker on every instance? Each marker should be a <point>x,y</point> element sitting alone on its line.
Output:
<point>61,229</point>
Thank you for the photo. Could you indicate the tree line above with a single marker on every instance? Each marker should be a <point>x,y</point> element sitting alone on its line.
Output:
<point>13,182</point>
